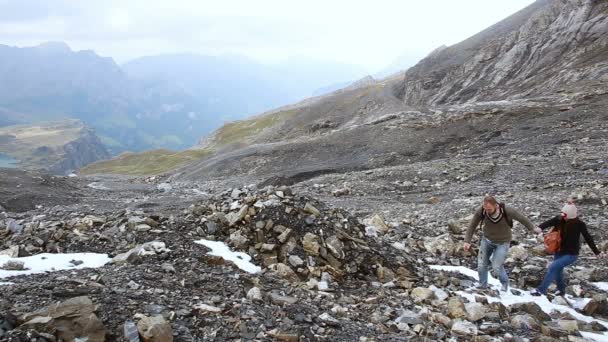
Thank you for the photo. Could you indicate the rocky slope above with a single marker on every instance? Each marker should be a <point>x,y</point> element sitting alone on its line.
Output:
<point>325,272</point>
<point>58,147</point>
<point>546,47</point>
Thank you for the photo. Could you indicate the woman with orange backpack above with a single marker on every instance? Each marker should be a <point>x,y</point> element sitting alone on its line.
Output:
<point>564,242</point>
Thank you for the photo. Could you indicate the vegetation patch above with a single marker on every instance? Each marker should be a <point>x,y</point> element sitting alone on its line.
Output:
<point>146,163</point>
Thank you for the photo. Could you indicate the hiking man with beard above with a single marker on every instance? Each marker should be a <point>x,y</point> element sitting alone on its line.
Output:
<point>497,221</point>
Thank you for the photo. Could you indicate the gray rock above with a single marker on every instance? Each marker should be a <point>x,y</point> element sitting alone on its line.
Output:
<point>456,308</point>
<point>421,294</point>
<point>70,320</point>
<point>525,321</point>
<point>279,299</point>
<point>13,265</point>
<point>155,329</point>
<point>464,328</point>
<point>254,294</point>
<point>310,209</point>
<point>131,334</point>
<point>310,242</point>
<point>475,311</point>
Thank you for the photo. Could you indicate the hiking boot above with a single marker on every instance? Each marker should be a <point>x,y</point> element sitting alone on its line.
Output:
<point>505,286</point>
<point>536,293</point>
<point>559,293</point>
<point>482,287</point>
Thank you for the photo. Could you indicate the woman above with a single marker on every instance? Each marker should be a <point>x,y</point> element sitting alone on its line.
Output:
<point>570,228</point>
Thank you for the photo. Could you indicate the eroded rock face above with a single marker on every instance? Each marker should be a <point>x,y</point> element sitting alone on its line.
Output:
<point>539,49</point>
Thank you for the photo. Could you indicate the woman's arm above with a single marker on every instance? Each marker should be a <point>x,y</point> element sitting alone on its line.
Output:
<point>589,239</point>
<point>550,223</point>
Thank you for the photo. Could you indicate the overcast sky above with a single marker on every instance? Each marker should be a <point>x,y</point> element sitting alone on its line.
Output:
<point>367,33</point>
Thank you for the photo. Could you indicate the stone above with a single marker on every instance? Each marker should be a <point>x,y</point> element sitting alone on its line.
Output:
<point>238,240</point>
<point>442,244</point>
<point>284,272</point>
<point>295,261</point>
<point>236,194</point>
<point>475,311</point>
<point>327,318</point>
<point>130,332</point>
<point>284,235</point>
<point>13,265</point>
<point>591,307</point>
<point>69,320</point>
<point>155,329</point>
<point>518,252</point>
<point>279,299</point>
<point>233,218</point>
<point>11,252</point>
<point>409,317</point>
<point>570,325</point>
<point>135,254</point>
<point>285,337</point>
<point>378,223</point>
<point>439,293</point>
<point>165,187</point>
<point>310,209</point>
<point>464,328</point>
<point>533,309</point>
<point>93,221</point>
<point>14,227</point>
<point>310,242</point>
<point>335,246</point>
<point>254,294</point>
<point>212,227</point>
<point>524,321</point>
<point>206,308</point>
<point>454,227</point>
<point>456,308</point>
<point>421,294</point>
<point>142,227</point>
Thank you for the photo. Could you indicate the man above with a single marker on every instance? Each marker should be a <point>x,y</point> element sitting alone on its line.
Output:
<point>497,221</point>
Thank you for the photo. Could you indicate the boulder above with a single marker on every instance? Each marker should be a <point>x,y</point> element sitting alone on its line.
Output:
<point>442,244</point>
<point>464,328</point>
<point>155,329</point>
<point>71,320</point>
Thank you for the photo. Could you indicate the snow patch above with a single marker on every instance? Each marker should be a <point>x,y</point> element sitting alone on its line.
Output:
<point>47,262</point>
<point>241,260</point>
<point>97,186</point>
<point>5,283</point>
<point>509,298</point>
<point>601,285</point>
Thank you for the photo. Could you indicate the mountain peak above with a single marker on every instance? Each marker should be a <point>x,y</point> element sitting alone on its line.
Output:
<point>54,47</point>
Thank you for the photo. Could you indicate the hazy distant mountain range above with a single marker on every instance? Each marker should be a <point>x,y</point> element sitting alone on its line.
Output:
<point>158,101</point>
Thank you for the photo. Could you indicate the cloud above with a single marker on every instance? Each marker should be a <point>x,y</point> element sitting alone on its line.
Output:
<point>359,32</point>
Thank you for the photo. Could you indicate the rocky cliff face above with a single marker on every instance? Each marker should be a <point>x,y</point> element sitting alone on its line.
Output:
<point>80,152</point>
<point>58,147</point>
<point>547,46</point>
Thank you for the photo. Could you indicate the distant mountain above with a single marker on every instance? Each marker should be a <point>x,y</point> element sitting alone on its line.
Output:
<point>233,87</point>
<point>165,101</point>
<point>51,82</point>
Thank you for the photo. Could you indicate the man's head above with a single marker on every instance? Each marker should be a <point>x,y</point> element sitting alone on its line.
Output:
<point>569,211</point>
<point>490,204</point>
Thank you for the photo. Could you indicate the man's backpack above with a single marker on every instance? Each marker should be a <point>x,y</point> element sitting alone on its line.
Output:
<point>504,213</point>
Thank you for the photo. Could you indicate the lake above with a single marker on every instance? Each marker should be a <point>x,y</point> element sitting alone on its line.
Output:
<point>7,161</point>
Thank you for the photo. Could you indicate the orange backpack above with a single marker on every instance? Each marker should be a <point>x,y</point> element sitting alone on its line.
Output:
<point>553,240</point>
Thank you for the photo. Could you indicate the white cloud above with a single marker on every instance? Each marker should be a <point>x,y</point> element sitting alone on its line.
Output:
<point>358,32</point>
